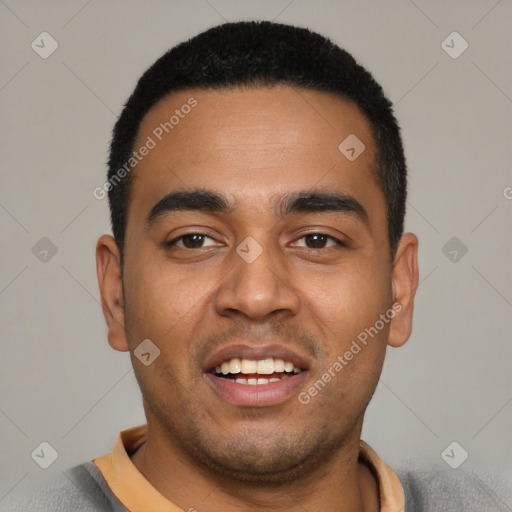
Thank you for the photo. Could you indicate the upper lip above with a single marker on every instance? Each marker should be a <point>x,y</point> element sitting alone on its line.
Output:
<point>256,353</point>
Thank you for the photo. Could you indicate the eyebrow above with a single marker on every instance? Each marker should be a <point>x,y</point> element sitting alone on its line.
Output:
<point>320,201</point>
<point>181,200</point>
<point>296,202</point>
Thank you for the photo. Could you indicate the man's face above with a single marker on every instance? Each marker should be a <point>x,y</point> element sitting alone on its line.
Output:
<point>304,299</point>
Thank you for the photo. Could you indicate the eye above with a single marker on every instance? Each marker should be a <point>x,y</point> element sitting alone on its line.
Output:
<point>191,241</point>
<point>317,241</point>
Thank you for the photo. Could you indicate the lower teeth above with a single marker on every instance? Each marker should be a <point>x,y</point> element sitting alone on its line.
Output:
<point>259,381</point>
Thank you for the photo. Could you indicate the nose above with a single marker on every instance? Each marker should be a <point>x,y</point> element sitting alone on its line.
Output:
<point>257,289</point>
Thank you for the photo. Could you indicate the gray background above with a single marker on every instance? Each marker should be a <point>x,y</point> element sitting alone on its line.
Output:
<point>60,381</point>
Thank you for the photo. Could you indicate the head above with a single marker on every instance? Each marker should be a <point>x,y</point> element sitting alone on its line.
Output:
<point>245,229</point>
<point>261,55</point>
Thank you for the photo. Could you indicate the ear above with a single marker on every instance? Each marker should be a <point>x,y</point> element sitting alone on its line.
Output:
<point>108,269</point>
<point>404,279</point>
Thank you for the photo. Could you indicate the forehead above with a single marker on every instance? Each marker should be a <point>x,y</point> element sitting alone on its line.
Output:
<point>254,145</point>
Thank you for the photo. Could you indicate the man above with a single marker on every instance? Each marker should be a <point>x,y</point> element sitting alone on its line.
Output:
<point>257,272</point>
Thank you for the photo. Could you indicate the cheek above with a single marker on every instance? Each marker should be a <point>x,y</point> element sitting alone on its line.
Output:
<point>169,291</point>
<point>159,302</point>
<point>347,307</point>
<point>161,306</point>
<point>348,299</point>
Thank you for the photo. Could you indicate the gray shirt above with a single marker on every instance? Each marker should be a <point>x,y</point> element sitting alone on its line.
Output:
<point>83,489</point>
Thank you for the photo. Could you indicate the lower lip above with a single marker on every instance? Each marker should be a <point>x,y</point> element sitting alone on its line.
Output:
<point>256,395</point>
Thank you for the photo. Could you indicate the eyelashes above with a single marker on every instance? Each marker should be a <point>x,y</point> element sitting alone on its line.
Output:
<point>196,240</point>
<point>189,241</point>
<point>317,237</point>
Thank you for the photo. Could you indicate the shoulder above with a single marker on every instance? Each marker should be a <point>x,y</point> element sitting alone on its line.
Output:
<point>81,488</point>
<point>431,490</point>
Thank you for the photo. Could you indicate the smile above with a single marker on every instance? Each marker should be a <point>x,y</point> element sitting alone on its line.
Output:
<point>274,369</point>
<point>256,382</point>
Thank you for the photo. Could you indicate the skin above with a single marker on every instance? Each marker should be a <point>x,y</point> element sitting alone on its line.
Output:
<point>254,147</point>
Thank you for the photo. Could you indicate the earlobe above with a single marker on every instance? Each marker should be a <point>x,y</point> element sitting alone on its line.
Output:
<point>404,284</point>
<point>109,274</point>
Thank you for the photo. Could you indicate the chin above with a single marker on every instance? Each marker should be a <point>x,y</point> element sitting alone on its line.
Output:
<point>275,460</point>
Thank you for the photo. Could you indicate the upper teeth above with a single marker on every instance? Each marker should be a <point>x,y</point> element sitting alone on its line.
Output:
<point>263,366</point>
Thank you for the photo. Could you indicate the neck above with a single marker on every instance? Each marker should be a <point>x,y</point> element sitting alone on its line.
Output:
<point>341,484</point>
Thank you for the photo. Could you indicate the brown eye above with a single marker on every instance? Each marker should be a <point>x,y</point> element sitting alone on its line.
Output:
<point>191,241</point>
<point>316,241</point>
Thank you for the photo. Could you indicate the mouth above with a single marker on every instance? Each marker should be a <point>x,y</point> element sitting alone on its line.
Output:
<point>266,381</point>
<point>254,372</point>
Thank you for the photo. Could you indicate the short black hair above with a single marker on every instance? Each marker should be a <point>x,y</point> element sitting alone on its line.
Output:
<point>262,54</point>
